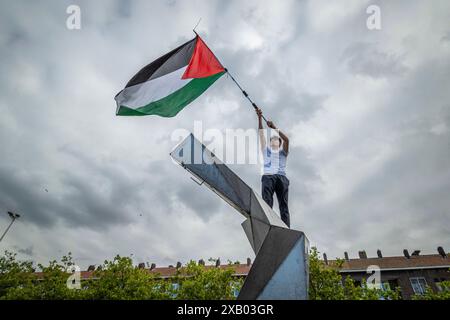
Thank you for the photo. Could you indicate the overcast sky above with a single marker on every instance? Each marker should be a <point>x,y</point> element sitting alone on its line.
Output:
<point>367,111</point>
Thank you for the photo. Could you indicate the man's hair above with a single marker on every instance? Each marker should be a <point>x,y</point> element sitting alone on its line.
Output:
<point>276,137</point>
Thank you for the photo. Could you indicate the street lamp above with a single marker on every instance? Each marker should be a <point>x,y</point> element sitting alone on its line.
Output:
<point>13,217</point>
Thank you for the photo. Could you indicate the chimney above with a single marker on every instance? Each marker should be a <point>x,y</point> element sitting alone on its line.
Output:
<point>249,262</point>
<point>379,254</point>
<point>91,268</point>
<point>416,253</point>
<point>442,252</point>
<point>178,265</point>
<point>362,254</point>
<point>141,265</point>
<point>406,254</point>
<point>346,256</point>
<point>325,258</point>
<point>218,262</point>
<point>201,262</point>
<point>153,266</point>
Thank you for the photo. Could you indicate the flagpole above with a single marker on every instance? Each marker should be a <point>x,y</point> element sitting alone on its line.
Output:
<point>237,84</point>
<point>244,93</point>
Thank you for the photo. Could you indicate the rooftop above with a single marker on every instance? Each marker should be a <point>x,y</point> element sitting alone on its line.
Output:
<point>396,263</point>
<point>405,262</point>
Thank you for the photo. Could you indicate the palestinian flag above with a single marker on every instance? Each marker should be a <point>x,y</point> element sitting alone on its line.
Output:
<point>171,82</point>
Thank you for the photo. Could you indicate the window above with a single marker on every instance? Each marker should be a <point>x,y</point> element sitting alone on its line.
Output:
<point>235,288</point>
<point>418,284</point>
<point>175,288</point>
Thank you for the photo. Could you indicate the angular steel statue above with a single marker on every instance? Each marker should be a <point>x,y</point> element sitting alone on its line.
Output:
<point>280,269</point>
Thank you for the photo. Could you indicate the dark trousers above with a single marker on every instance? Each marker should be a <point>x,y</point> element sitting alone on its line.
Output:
<point>279,185</point>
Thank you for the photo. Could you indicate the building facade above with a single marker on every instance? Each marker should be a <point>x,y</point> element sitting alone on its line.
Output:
<point>412,273</point>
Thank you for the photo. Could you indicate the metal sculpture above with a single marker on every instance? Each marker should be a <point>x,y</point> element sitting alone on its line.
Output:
<point>280,269</point>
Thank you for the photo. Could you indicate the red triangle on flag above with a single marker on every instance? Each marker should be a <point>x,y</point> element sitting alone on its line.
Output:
<point>203,62</point>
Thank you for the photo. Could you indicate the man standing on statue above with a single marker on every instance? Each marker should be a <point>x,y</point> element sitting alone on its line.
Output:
<point>274,178</point>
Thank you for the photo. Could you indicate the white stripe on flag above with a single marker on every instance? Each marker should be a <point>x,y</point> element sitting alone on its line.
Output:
<point>142,94</point>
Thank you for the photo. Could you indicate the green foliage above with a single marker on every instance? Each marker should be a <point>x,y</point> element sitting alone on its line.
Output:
<point>119,279</point>
<point>51,284</point>
<point>429,294</point>
<point>14,274</point>
<point>326,283</point>
<point>116,279</point>
<point>196,282</point>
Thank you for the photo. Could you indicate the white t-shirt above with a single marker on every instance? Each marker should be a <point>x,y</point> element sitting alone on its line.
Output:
<point>274,161</point>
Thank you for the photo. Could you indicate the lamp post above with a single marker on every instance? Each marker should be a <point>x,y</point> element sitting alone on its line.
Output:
<point>13,217</point>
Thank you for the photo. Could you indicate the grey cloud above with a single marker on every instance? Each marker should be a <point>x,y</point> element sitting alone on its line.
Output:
<point>124,8</point>
<point>406,194</point>
<point>79,203</point>
<point>199,199</point>
<point>25,251</point>
<point>368,60</point>
<point>446,37</point>
<point>58,130</point>
<point>22,192</point>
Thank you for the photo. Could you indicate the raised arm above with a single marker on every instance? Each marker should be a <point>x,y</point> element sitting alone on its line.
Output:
<point>262,138</point>
<point>284,137</point>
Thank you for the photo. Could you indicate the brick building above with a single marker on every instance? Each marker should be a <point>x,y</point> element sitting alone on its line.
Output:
<point>411,272</point>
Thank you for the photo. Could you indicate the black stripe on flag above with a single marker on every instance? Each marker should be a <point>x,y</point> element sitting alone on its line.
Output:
<point>174,60</point>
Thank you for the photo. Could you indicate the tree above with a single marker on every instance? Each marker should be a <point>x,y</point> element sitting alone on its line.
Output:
<point>443,294</point>
<point>119,279</point>
<point>326,283</point>
<point>51,284</point>
<point>116,279</point>
<point>14,274</point>
<point>197,282</point>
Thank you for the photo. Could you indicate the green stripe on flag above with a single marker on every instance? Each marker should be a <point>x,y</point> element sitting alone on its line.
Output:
<point>172,104</point>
